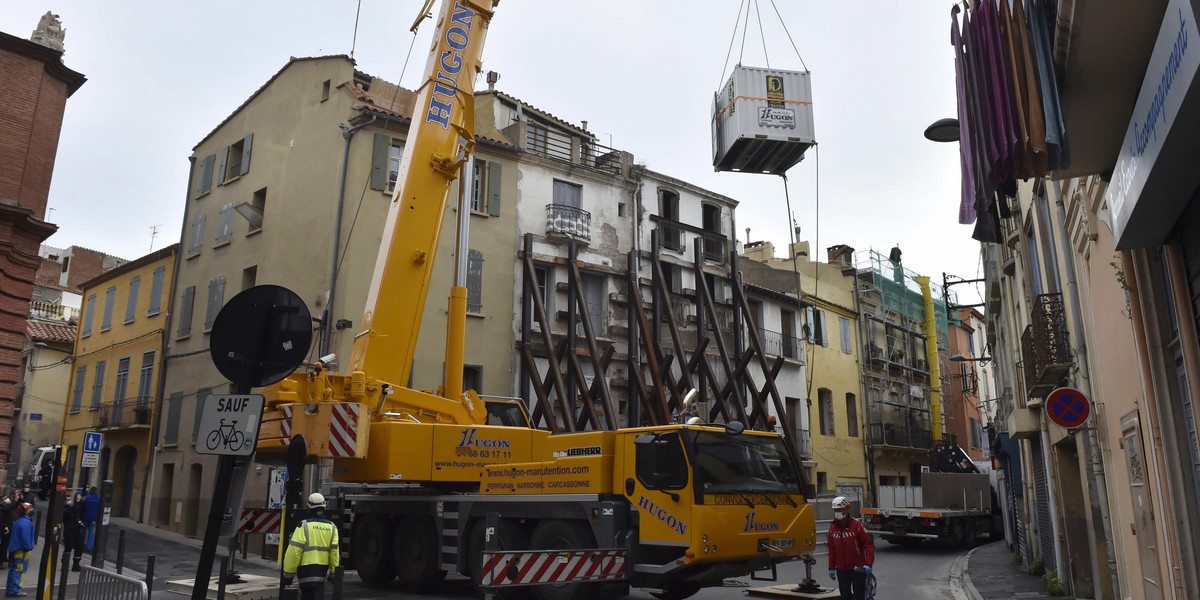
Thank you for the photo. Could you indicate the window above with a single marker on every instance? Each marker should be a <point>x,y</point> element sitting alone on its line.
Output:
<point>201,394</point>
<point>146,379</point>
<point>325,90</point>
<point>131,306</point>
<point>225,224</point>
<point>235,160</point>
<point>119,388</point>
<point>852,415</point>
<point>216,298</point>
<point>844,327</point>
<point>249,277</point>
<point>971,344</point>
<point>545,289</point>
<point>620,209</point>
<point>594,293</point>
<point>97,385</point>
<point>156,290</point>
<point>88,314</point>
<point>814,329</point>
<point>258,207</point>
<point>186,303</point>
<point>474,281</point>
<point>787,325</point>
<point>205,169</point>
<point>976,441</point>
<point>77,394</point>
<point>568,194</point>
<point>672,276</point>
<point>478,189</point>
<point>535,138</point>
<point>174,405</point>
<point>395,154</point>
<point>825,404</point>
<point>473,378</point>
<point>110,298</point>
<point>822,481</point>
<point>668,209</point>
<point>197,240</point>
<point>659,461</point>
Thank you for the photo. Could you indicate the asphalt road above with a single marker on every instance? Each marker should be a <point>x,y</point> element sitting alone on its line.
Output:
<point>917,573</point>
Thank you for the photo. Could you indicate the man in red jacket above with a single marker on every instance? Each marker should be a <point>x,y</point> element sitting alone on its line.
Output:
<point>851,551</point>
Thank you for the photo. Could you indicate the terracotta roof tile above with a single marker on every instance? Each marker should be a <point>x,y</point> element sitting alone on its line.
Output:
<point>46,331</point>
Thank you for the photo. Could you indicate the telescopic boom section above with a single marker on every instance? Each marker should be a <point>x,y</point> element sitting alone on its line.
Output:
<point>441,137</point>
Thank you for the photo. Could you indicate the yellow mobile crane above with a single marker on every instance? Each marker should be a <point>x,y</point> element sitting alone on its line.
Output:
<point>418,473</point>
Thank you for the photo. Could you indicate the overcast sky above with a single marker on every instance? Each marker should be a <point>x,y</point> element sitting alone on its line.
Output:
<point>641,72</point>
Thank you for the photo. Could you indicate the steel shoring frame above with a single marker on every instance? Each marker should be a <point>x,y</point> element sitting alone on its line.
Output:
<point>706,304</point>
<point>544,408</point>
<point>599,367</point>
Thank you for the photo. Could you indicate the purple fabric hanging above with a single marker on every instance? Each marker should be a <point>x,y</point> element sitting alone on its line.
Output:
<point>983,146</point>
<point>966,208</point>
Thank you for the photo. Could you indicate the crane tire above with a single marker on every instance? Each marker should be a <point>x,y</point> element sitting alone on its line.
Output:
<point>416,553</point>
<point>511,537</point>
<point>371,547</point>
<point>555,534</point>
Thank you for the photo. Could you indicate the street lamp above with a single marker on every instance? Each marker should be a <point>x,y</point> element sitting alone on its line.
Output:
<point>942,130</point>
<point>961,358</point>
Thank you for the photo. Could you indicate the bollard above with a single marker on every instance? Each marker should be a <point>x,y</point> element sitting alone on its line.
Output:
<point>149,576</point>
<point>66,572</point>
<point>101,540</point>
<point>337,583</point>
<point>221,581</point>
<point>120,552</point>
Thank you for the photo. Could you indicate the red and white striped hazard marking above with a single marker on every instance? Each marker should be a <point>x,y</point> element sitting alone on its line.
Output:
<point>285,426</point>
<point>260,520</point>
<point>562,566</point>
<point>343,430</point>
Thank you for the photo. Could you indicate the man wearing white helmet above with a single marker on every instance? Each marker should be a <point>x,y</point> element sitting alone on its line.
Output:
<point>851,551</point>
<point>312,552</point>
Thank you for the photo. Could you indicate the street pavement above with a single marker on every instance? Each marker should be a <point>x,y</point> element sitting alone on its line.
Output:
<point>925,572</point>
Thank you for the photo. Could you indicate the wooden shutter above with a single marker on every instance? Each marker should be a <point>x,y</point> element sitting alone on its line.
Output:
<point>98,384</point>
<point>494,179</point>
<point>131,307</point>
<point>174,405</point>
<point>110,298</point>
<point>221,168</point>
<point>206,173</point>
<point>379,161</point>
<point>225,224</point>
<point>201,394</point>
<point>824,331</point>
<point>474,281</point>
<point>185,311</point>
<point>77,397</point>
<point>246,153</point>
<point>156,290</point>
<point>88,314</point>
<point>216,297</point>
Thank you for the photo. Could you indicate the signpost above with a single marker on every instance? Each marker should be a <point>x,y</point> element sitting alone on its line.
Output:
<point>1068,407</point>
<point>229,425</point>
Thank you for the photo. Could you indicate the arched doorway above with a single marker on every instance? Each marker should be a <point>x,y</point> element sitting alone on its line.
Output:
<point>105,456</point>
<point>123,478</point>
<point>191,504</point>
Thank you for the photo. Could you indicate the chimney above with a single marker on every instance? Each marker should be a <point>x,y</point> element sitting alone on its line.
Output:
<point>492,78</point>
<point>584,125</point>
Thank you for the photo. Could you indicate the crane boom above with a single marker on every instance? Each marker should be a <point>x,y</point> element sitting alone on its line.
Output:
<point>440,140</point>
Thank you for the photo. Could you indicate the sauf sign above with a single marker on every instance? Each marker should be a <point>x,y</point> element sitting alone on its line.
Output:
<point>229,425</point>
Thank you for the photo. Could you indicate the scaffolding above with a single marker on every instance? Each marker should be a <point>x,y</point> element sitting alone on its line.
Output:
<point>896,373</point>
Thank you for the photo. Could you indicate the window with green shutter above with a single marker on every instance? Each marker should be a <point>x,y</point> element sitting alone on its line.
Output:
<point>88,314</point>
<point>197,240</point>
<point>225,224</point>
<point>186,303</point>
<point>110,298</point>
<point>97,385</point>
<point>204,186</point>
<point>380,151</point>
<point>494,178</point>
<point>156,290</point>
<point>77,394</point>
<point>131,306</point>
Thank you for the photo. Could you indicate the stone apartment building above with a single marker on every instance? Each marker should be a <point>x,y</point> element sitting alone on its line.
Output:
<point>34,87</point>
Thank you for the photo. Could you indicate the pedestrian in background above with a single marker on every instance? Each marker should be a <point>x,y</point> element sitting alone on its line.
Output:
<point>19,549</point>
<point>91,514</point>
<point>72,523</point>
<point>312,552</point>
<point>851,552</point>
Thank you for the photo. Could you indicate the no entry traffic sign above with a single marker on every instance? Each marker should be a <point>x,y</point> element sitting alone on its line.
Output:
<point>1068,407</point>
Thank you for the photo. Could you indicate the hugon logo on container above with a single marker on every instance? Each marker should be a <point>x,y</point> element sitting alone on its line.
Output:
<point>470,441</point>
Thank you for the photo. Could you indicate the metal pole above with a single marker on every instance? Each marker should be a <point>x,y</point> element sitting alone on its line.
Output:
<point>121,552</point>
<point>66,571</point>
<point>296,453</point>
<point>216,512</point>
<point>149,576</point>
<point>221,580</point>
<point>46,572</point>
<point>106,491</point>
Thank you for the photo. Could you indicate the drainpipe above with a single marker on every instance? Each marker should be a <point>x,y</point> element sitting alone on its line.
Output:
<point>935,371</point>
<point>1095,471</point>
<point>156,427</point>
<point>327,321</point>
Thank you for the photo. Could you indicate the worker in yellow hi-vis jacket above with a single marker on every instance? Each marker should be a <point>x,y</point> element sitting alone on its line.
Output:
<point>313,552</point>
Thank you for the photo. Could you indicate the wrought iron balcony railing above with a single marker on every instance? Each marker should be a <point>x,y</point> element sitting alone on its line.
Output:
<point>900,435</point>
<point>670,235</point>
<point>775,343</point>
<point>122,415</point>
<point>1046,346</point>
<point>714,247</point>
<point>572,222</point>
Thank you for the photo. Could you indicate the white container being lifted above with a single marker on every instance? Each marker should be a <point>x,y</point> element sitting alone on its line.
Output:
<point>762,121</point>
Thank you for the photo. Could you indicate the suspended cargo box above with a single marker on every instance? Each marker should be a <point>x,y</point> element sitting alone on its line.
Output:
<point>762,121</point>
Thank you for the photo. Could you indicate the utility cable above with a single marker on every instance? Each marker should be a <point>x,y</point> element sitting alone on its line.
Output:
<point>354,41</point>
<point>745,26</point>
<point>762,35</point>
<point>789,35</point>
<point>732,39</point>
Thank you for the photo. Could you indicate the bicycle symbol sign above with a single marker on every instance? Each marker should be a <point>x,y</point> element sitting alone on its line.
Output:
<point>229,425</point>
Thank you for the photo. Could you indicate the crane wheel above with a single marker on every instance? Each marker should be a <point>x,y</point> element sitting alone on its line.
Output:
<point>415,553</point>
<point>563,535</point>
<point>512,537</point>
<point>372,549</point>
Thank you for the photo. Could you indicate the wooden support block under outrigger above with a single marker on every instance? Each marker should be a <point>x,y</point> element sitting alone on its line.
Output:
<point>791,591</point>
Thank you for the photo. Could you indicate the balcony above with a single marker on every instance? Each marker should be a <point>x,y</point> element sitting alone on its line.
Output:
<point>804,443</point>
<point>899,435</point>
<point>714,247</point>
<point>775,343</point>
<point>670,235</point>
<point>575,150</point>
<point>122,415</point>
<point>1045,346</point>
<point>568,221</point>
<point>51,311</point>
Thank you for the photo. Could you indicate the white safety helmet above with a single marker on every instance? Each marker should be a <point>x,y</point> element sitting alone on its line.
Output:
<point>841,503</point>
<point>316,500</point>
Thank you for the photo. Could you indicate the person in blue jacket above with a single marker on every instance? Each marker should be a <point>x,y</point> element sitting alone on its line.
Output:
<point>19,549</point>
<point>91,514</point>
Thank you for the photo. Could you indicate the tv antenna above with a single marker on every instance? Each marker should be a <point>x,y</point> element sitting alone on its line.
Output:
<point>153,234</point>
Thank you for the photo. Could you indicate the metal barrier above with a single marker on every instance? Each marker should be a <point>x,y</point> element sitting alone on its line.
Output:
<point>98,584</point>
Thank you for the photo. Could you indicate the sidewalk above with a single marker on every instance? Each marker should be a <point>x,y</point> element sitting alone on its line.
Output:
<point>991,574</point>
<point>176,557</point>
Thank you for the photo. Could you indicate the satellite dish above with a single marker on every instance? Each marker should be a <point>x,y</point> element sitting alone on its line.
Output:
<point>260,336</point>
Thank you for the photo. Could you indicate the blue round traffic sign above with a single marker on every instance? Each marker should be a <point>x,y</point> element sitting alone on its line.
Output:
<point>1068,407</point>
